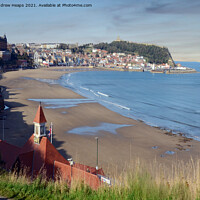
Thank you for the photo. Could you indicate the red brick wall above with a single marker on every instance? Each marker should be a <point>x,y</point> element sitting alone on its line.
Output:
<point>88,178</point>
<point>62,171</point>
<point>65,172</point>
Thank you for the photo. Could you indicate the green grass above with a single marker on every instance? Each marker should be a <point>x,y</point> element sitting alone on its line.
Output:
<point>182,183</point>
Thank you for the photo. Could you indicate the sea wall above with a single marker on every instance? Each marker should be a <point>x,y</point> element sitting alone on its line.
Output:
<point>69,173</point>
<point>181,71</point>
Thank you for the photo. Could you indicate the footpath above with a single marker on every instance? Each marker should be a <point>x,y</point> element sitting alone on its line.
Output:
<point>3,198</point>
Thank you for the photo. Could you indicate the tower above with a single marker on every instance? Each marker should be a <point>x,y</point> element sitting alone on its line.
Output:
<point>118,39</point>
<point>39,125</point>
<point>3,43</point>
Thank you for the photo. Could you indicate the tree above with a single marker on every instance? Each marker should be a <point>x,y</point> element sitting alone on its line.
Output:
<point>63,46</point>
<point>153,53</point>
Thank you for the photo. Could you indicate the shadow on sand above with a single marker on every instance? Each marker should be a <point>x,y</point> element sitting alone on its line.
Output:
<point>16,131</point>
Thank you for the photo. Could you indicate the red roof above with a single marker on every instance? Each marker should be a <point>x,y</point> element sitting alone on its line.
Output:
<point>26,161</point>
<point>44,155</point>
<point>39,117</point>
<point>8,153</point>
<point>41,158</point>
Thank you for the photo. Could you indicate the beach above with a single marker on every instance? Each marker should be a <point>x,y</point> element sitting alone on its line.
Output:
<point>136,140</point>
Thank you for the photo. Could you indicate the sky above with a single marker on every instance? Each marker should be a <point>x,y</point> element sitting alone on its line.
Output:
<point>171,23</point>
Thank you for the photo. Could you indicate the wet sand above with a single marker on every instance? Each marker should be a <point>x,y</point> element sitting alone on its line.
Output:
<point>115,150</point>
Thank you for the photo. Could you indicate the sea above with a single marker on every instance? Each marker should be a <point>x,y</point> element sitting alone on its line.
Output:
<point>168,101</point>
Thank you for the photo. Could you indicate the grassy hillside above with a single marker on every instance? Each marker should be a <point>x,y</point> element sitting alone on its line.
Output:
<point>153,53</point>
<point>180,182</point>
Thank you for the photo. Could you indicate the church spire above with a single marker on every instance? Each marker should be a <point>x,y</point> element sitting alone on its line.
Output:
<point>39,117</point>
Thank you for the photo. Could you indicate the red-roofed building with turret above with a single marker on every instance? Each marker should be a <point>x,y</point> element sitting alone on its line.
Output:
<point>38,155</point>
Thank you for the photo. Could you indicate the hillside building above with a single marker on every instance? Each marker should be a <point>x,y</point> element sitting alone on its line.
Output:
<point>3,43</point>
<point>118,39</point>
<point>5,55</point>
<point>39,156</point>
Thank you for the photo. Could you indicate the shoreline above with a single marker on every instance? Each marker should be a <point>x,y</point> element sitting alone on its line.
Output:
<point>168,130</point>
<point>137,140</point>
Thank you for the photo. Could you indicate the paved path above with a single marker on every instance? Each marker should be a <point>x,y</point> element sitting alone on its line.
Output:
<point>3,198</point>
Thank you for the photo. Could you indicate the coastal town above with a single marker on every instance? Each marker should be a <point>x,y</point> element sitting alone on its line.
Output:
<point>99,100</point>
<point>32,55</point>
<point>52,143</point>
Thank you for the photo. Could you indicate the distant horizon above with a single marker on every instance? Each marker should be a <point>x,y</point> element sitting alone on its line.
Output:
<point>170,23</point>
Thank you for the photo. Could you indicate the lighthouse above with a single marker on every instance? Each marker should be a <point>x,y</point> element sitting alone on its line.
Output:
<point>39,125</point>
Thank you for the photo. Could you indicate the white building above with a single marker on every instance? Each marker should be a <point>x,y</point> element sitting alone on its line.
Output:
<point>49,45</point>
<point>5,55</point>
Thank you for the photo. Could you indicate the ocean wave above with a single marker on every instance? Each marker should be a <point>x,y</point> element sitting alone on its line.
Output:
<point>84,88</point>
<point>117,105</point>
<point>196,137</point>
<point>102,94</point>
<point>173,108</point>
<point>168,119</point>
<point>183,123</point>
<point>68,80</point>
<point>150,104</point>
<point>94,93</point>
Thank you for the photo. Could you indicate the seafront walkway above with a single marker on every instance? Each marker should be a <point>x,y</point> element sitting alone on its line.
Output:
<point>3,198</point>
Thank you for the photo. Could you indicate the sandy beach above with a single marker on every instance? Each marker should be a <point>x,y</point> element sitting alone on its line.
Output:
<point>137,140</point>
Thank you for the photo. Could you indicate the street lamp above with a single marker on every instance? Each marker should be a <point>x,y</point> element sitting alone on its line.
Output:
<point>97,153</point>
<point>3,126</point>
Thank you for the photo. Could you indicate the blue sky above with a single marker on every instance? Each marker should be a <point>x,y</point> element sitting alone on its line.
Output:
<point>171,23</point>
